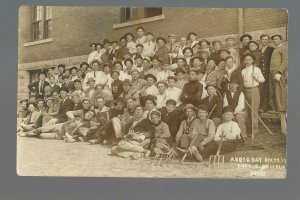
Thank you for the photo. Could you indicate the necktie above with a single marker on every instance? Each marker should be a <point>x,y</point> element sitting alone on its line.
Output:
<point>41,88</point>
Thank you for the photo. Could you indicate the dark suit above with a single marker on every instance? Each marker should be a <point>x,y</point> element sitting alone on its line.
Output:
<point>265,69</point>
<point>55,88</point>
<point>78,106</point>
<point>35,87</point>
<point>65,106</point>
<point>173,120</point>
<point>216,100</point>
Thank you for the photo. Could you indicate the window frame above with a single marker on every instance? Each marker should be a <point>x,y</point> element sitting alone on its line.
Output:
<point>41,24</point>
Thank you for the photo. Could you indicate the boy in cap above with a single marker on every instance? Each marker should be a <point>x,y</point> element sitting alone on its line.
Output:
<point>181,78</point>
<point>235,98</point>
<point>278,75</point>
<point>244,39</point>
<point>172,118</point>
<point>254,50</point>
<point>234,52</point>
<point>229,131</point>
<point>138,61</point>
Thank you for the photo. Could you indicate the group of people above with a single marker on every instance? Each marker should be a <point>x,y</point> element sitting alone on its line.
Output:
<point>143,94</point>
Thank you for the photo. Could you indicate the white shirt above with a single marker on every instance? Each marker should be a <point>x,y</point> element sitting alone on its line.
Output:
<point>249,80</point>
<point>149,49</point>
<point>231,130</point>
<point>99,54</point>
<point>152,90</point>
<point>124,75</point>
<point>241,103</point>
<point>163,75</point>
<point>141,40</point>
<point>161,100</point>
<point>92,56</point>
<point>173,93</point>
<point>180,53</point>
<point>132,47</point>
<point>99,76</point>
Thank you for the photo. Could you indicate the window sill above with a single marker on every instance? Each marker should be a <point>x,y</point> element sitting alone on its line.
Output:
<point>27,44</point>
<point>139,21</point>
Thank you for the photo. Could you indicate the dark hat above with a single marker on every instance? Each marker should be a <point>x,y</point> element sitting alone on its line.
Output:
<point>90,79</point>
<point>161,38</point>
<point>73,68</point>
<point>64,77</point>
<point>202,107</point>
<point>53,68</point>
<point>155,58</point>
<point>180,70</point>
<point>83,63</point>
<point>127,82</point>
<point>48,99</point>
<point>280,36</point>
<point>187,48</point>
<point>171,101</point>
<point>210,84</point>
<point>139,45</point>
<point>228,109</point>
<point>23,100</point>
<point>172,77</point>
<point>118,100</point>
<point>220,60</point>
<point>180,58</point>
<point>216,41</point>
<point>224,49</point>
<point>106,41</point>
<point>114,42</point>
<point>128,60</point>
<point>114,71</point>
<point>253,43</point>
<point>128,34</point>
<point>249,54</point>
<point>172,35</point>
<point>99,44</point>
<point>106,65</point>
<point>150,76</point>
<point>235,79</point>
<point>229,37</point>
<point>77,81</point>
<point>75,93</point>
<point>149,33</point>
<point>191,33</point>
<point>155,112</point>
<point>147,58</point>
<point>64,88</point>
<point>101,85</point>
<point>245,35</point>
<point>190,106</point>
<point>192,70</point>
<point>196,57</point>
<point>61,65</point>
<point>140,27</point>
<point>151,98</point>
<point>89,66</point>
<point>86,99</point>
<point>204,40</point>
<point>138,56</point>
<point>117,62</point>
<point>163,82</point>
<point>42,72</point>
<point>209,59</point>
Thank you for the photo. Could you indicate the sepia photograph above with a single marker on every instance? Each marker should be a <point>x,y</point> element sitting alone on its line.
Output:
<point>155,92</point>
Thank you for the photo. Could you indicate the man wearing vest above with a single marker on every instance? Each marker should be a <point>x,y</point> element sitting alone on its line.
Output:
<point>236,99</point>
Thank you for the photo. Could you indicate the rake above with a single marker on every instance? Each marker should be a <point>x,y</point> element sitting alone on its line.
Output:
<point>217,160</point>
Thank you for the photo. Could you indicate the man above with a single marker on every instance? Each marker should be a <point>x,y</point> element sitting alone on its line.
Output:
<point>85,107</point>
<point>232,71</point>
<point>39,86</point>
<point>181,78</point>
<point>78,88</point>
<point>61,68</point>
<point>119,55</point>
<point>234,52</point>
<point>266,53</point>
<point>141,38</point>
<point>252,77</point>
<point>50,73</point>
<point>100,91</point>
<point>192,92</point>
<point>149,45</point>
<point>113,51</point>
<point>30,120</point>
<point>139,51</point>
<point>215,54</point>
<point>220,72</point>
<point>131,45</point>
<point>150,88</point>
<point>172,118</point>
<point>137,82</point>
<point>236,100</point>
<point>228,132</point>
<point>173,92</point>
<point>161,96</point>
<point>146,67</point>
<point>183,45</point>
<point>138,61</point>
<point>89,92</point>
<point>164,73</point>
<point>254,50</point>
<point>76,100</point>
<point>173,46</point>
<point>93,53</point>
<point>214,104</point>
<point>116,85</point>
<point>96,73</point>
<point>244,39</point>
<point>156,65</point>
<point>278,75</point>
<point>210,76</point>
<point>73,76</point>
<point>104,58</point>
<point>128,91</point>
<point>52,83</point>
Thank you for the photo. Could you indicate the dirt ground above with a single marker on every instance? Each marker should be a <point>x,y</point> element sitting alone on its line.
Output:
<point>46,157</point>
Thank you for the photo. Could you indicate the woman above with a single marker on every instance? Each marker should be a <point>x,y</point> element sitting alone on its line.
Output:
<point>162,51</point>
<point>161,130</point>
<point>138,134</point>
<point>196,63</point>
<point>193,43</point>
<point>188,54</point>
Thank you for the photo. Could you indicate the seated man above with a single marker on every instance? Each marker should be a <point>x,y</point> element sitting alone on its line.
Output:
<point>86,105</point>
<point>138,135</point>
<point>71,130</point>
<point>76,100</point>
<point>30,120</point>
<point>228,133</point>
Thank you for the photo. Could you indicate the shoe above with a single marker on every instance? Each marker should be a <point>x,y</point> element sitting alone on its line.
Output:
<point>105,142</point>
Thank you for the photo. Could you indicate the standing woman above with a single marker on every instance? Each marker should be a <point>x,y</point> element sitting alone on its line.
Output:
<point>193,43</point>
<point>162,51</point>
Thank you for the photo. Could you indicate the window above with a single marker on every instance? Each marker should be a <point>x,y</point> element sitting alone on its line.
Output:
<point>130,14</point>
<point>42,22</point>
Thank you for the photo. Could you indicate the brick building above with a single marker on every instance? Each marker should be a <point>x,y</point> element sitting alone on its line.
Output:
<point>49,36</point>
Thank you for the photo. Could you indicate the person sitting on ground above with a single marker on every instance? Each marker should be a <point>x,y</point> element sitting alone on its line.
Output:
<point>30,120</point>
<point>137,137</point>
<point>229,132</point>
